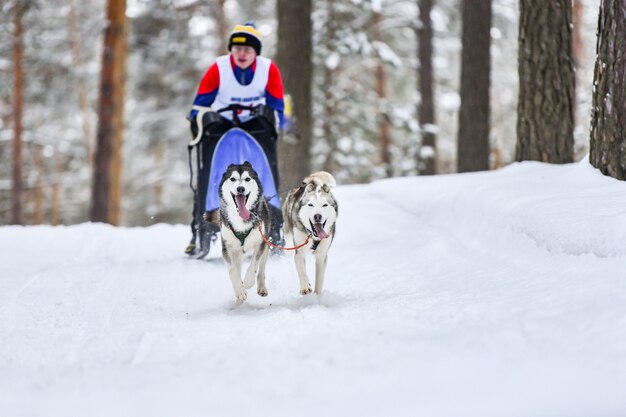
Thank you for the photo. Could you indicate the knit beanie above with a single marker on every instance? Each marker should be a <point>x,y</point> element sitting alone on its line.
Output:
<point>247,35</point>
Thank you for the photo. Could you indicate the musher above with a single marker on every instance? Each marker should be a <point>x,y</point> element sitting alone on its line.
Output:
<point>245,78</point>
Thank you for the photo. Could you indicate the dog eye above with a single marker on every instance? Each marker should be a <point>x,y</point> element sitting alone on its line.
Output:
<point>232,179</point>
<point>310,205</point>
<point>248,179</point>
<point>325,205</point>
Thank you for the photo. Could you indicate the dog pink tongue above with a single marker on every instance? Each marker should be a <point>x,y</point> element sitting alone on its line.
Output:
<point>318,228</point>
<point>241,206</point>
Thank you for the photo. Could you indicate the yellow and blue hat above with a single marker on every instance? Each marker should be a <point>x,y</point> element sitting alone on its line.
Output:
<point>246,35</point>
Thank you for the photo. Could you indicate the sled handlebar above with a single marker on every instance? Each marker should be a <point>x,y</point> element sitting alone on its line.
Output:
<point>234,108</point>
<point>237,108</point>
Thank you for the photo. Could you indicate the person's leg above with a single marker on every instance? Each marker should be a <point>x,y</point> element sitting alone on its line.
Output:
<point>276,229</point>
<point>268,141</point>
<point>191,247</point>
<point>208,236</point>
<point>267,138</point>
<point>208,221</point>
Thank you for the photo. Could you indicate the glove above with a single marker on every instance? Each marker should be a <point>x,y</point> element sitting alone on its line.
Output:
<point>193,126</point>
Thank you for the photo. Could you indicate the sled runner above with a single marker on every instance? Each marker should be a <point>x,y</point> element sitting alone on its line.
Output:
<point>250,135</point>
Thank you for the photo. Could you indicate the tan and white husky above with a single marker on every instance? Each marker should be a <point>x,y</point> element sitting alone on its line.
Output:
<point>311,211</point>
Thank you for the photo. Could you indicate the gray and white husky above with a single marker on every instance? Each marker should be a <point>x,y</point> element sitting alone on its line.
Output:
<point>311,210</point>
<point>243,210</point>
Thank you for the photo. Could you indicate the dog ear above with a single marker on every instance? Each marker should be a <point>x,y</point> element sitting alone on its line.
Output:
<point>247,164</point>
<point>326,188</point>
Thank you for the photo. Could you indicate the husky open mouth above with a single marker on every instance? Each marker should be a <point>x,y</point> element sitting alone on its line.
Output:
<point>318,230</point>
<point>310,214</point>
<point>240,203</point>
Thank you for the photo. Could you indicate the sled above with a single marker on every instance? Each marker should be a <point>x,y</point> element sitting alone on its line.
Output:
<point>230,142</point>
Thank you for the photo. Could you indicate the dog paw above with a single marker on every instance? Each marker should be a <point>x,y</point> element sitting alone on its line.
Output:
<point>305,291</point>
<point>241,295</point>
<point>262,292</point>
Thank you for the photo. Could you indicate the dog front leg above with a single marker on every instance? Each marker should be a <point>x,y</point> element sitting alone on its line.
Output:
<point>261,289</point>
<point>248,281</point>
<point>251,273</point>
<point>320,272</point>
<point>234,270</point>
<point>305,287</point>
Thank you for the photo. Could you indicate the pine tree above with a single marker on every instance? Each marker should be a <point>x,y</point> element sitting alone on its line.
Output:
<point>294,58</point>
<point>19,8</point>
<point>473,138</point>
<point>427,161</point>
<point>545,111</point>
<point>608,119</point>
<point>107,168</point>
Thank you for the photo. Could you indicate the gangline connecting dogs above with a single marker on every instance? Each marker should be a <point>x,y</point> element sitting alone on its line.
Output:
<point>310,212</point>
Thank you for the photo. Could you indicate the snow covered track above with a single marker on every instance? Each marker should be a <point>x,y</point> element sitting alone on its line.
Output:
<point>490,294</point>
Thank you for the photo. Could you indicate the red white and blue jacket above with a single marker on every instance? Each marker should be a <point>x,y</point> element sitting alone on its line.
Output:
<point>261,83</point>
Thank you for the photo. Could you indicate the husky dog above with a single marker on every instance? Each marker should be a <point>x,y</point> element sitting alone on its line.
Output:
<point>310,211</point>
<point>242,210</point>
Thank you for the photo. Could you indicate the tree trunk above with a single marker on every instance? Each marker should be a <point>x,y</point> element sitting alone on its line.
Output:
<point>383,120</point>
<point>83,97</point>
<point>330,102</point>
<point>427,158</point>
<point>223,29</point>
<point>545,110</point>
<point>107,166</point>
<point>578,51</point>
<point>38,192</point>
<point>382,116</point>
<point>473,140</point>
<point>18,110</point>
<point>578,47</point>
<point>295,61</point>
<point>115,203</point>
<point>55,210</point>
<point>159,168</point>
<point>608,117</point>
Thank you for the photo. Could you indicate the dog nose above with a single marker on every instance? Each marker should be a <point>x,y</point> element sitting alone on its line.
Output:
<point>317,218</point>
<point>241,190</point>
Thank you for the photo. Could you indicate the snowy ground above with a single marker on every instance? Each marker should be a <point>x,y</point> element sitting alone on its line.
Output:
<point>488,294</point>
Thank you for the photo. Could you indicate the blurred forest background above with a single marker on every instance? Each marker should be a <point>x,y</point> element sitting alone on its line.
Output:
<point>365,94</point>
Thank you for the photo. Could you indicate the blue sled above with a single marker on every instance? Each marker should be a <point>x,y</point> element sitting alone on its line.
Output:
<point>236,147</point>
